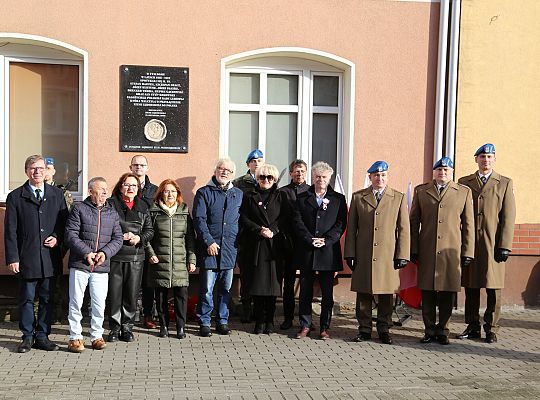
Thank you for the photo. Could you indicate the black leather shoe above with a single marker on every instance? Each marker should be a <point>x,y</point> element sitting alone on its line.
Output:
<point>428,339</point>
<point>26,345</point>
<point>223,329</point>
<point>127,336</point>
<point>269,328</point>
<point>469,334</point>
<point>113,336</point>
<point>45,344</point>
<point>491,337</point>
<point>287,324</point>
<point>443,339</point>
<point>362,337</point>
<point>385,338</point>
<point>180,334</point>
<point>259,328</point>
<point>205,331</point>
<point>163,331</point>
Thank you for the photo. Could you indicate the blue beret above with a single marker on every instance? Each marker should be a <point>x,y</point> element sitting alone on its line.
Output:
<point>488,148</point>
<point>378,166</point>
<point>444,162</point>
<point>254,154</point>
<point>49,161</point>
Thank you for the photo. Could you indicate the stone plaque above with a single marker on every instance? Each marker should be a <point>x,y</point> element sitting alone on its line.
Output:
<point>154,109</point>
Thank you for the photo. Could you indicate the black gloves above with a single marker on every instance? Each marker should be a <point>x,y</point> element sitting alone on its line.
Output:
<point>350,263</point>
<point>465,261</point>
<point>414,258</point>
<point>400,263</point>
<point>501,255</point>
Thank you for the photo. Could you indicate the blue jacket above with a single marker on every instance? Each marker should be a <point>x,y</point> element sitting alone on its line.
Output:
<point>89,229</point>
<point>26,226</point>
<point>216,213</point>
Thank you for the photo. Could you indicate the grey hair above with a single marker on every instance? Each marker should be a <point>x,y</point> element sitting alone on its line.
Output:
<point>321,166</point>
<point>32,159</point>
<point>95,180</point>
<point>225,160</point>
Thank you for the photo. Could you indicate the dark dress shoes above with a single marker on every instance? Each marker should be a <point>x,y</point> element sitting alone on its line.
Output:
<point>469,334</point>
<point>491,337</point>
<point>443,339</point>
<point>385,338</point>
<point>287,324</point>
<point>127,336</point>
<point>259,328</point>
<point>163,331</point>
<point>180,333</point>
<point>26,345</point>
<point>303,333</point>
<point>428,339</point>
<point>45,344</point>
<point>205,331</point>
<point>223,329</point>
<point>362,337</point>
<point>269,328</point>
<point>113,336</point>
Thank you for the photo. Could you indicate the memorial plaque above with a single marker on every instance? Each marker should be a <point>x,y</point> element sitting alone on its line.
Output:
<point>154,109</point>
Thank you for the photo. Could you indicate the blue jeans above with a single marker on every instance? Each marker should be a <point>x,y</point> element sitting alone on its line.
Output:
<point>208,279</point>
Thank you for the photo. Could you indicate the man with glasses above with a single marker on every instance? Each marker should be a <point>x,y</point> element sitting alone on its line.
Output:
<point>33,231</point>
<point>139,167</point>
<point>216,213</point>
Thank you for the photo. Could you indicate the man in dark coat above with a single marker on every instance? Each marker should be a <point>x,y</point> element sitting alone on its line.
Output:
<point>320,219</point>
<point>495,214</point>
<point>139,166</point>
<point>33,231</point>
<point>298,185</point>
<point>216,215</point>
<point>247,183</point>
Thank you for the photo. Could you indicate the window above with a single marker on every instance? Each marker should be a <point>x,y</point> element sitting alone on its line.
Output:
<point>41,111</point>
<point>289,107</point>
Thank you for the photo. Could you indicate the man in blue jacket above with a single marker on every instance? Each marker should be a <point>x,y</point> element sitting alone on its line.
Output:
<point>93,235</point>
<point>33,231</point>
<point>216,212</point>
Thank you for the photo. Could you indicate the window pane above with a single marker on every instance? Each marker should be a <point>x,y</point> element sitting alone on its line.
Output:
<point>44,119</point>
<point>325,91</point>
<point>243,137</point>
<point>283,89</point>
<point>281,140</point>
<point>244,89</point>
<point>324,145</point>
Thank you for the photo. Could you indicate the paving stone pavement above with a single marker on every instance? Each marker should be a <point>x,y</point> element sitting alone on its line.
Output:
<point>247,366</point>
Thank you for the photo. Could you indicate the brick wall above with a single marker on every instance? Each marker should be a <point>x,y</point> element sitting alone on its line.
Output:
<point>526,239</point>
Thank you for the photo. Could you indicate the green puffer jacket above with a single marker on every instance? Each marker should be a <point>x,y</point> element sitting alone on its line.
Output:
<point>173,244</point>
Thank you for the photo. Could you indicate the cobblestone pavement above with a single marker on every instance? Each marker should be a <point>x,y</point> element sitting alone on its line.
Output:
<point>247,366</point>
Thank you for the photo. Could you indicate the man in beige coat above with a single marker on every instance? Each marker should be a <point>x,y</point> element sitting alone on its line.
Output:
<point>377,244</point>
<point>495,214</point>
<point>442,239</point>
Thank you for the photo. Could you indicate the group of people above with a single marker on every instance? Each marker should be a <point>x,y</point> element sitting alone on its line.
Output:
<point>458,234</point>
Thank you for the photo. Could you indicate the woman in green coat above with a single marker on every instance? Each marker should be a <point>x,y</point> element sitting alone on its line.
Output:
<point>171,254</point>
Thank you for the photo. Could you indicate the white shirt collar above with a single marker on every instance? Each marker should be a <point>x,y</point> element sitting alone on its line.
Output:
<point>42,188</point>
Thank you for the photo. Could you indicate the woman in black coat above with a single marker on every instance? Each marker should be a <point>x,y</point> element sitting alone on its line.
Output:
<point>127,265</point>
<point>262,215</point>
<point>320,219</point>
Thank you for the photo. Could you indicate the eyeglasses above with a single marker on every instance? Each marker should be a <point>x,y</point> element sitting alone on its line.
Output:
<point>138,165</point>
<point>269,178</point>
<point>36,169</point>
<point>226,170</point>
<point>129,185</point>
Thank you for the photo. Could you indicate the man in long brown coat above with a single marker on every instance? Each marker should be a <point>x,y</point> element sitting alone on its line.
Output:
<point>442,239</point>
<point>377,244</point>
<point>495,214</point>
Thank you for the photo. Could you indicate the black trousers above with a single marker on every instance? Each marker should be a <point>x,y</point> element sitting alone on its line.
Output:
<point>180,298</point>
<point>432,299</point>
<point>148,294</point>
<point>492,313</point>
<point>29,326</point>
<point>289,278</point>
<point>385,307</point>
<point>124,285</point>
<point>264,308</point>
<point>326,281</point>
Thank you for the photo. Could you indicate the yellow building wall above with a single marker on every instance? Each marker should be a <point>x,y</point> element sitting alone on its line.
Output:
<point>499,93</point>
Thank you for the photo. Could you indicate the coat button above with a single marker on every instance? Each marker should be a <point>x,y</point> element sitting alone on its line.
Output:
<point>480,197</point>
<point>440,206</point>
<point>438,252</point>
<point>374,259</point>
<point>318,216</point>
<point>440,221</point>
<point>376,229</point>
<point>377,213</point>
<point>438,237</point>
<point>375,244</point>
<point>41,230</point>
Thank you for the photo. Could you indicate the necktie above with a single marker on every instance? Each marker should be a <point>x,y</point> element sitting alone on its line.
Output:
<point>38,195</point>
<point>483,179</point>
<point>441,188</point>
<point>378,196</point>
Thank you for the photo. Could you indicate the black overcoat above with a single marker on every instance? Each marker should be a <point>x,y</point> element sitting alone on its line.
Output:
<point>27,224</point>
<point>311,221</point>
